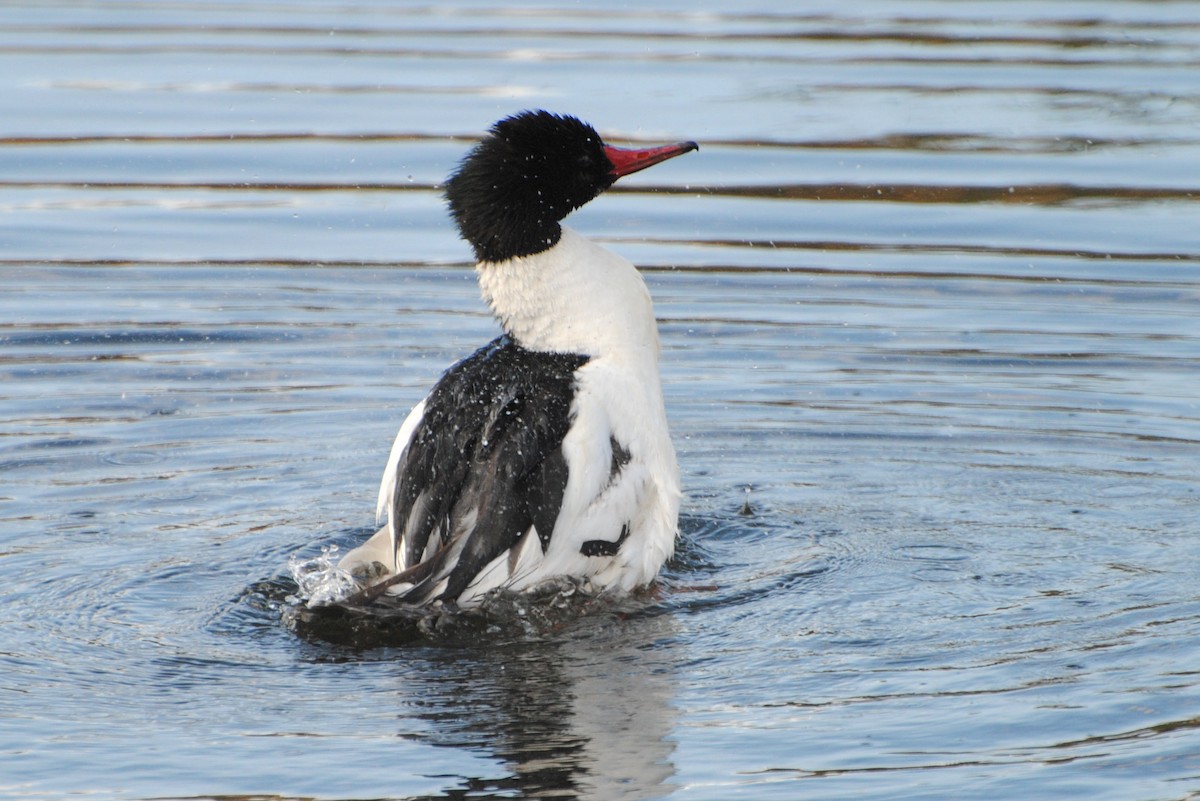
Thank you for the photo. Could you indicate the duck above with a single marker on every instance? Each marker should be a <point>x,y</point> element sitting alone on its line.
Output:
<point>546,453</point>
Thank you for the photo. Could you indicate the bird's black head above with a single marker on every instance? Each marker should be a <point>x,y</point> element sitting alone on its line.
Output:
<point>528,173</point>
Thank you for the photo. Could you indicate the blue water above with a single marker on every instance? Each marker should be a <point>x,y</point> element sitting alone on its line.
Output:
<point>928,298</point>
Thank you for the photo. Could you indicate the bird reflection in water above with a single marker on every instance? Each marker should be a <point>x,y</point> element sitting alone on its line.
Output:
<point>584,714</point>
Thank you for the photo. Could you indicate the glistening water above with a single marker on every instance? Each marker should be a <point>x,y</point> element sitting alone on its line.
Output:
<point>929,297</point>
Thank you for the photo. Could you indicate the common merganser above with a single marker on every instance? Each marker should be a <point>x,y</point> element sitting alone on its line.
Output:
<point>546,452</point>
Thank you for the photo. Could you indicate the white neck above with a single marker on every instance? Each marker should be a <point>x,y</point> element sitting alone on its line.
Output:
<point>575,297</point>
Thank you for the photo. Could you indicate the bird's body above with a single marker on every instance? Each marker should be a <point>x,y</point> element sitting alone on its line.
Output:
<point>546,453</point>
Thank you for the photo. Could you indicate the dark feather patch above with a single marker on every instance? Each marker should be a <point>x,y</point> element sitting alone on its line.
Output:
<point>605,547</point>
<point>620,458</point>
<point>487,447</point>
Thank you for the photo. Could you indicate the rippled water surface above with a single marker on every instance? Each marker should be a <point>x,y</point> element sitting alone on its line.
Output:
<point>930,304</point>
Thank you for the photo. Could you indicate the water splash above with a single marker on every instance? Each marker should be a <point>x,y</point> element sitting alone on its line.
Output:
<point>318,610</point>
<point>319,581</point>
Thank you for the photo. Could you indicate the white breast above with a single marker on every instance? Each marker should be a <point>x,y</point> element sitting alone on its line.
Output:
<point>575,297</point>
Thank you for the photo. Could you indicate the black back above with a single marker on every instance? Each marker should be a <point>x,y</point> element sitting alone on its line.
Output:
<point>488,445</point>
<point>531,171</point>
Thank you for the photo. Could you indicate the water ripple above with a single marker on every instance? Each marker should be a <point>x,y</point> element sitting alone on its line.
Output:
<point>927,301</point>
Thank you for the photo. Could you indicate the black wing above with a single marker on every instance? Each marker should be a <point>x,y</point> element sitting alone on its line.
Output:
<point>484,464</point>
